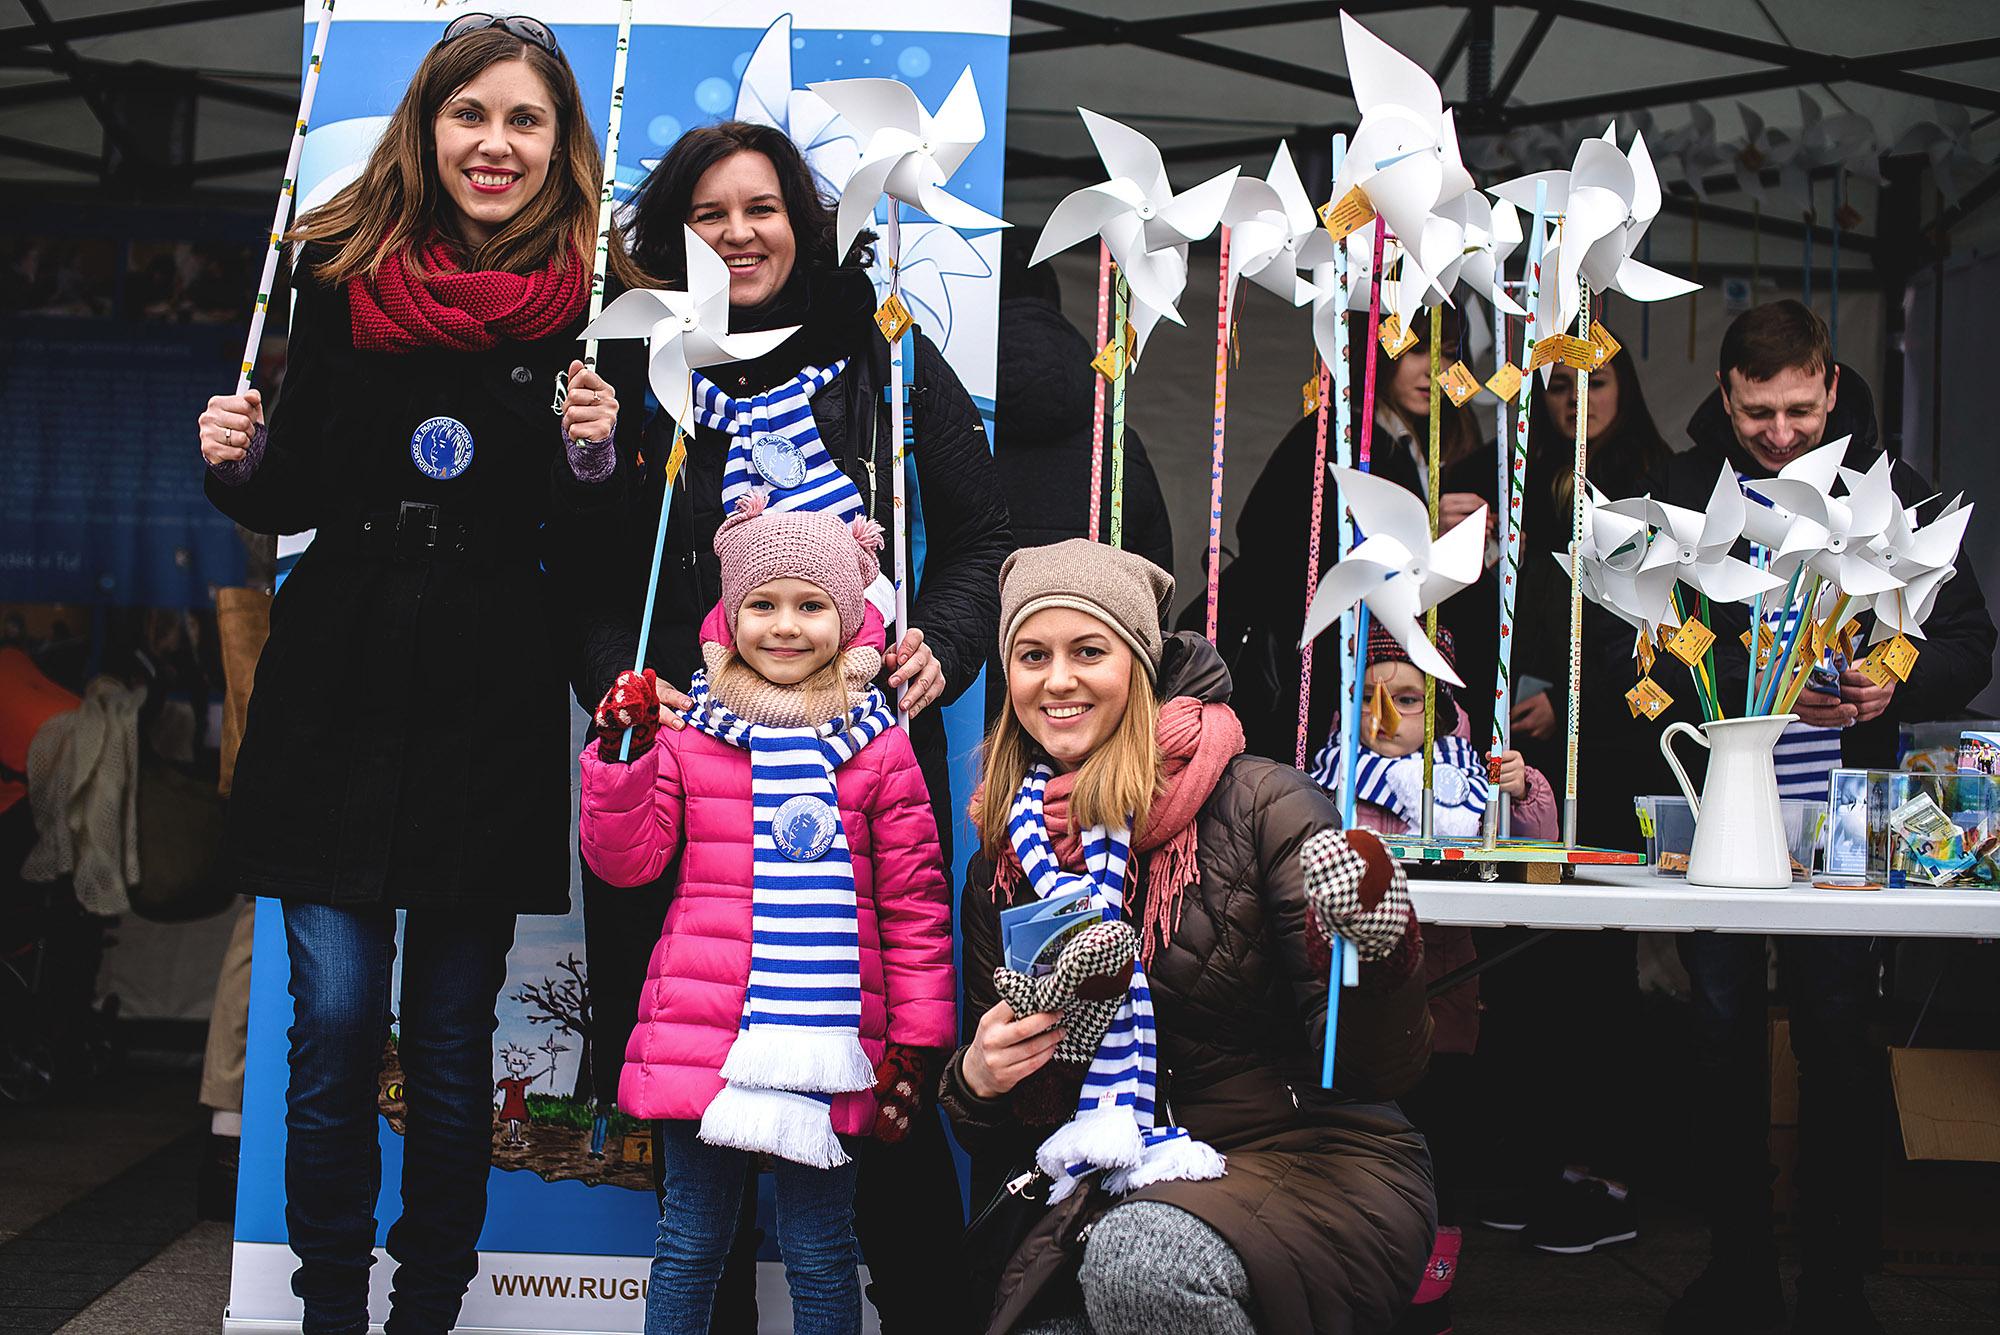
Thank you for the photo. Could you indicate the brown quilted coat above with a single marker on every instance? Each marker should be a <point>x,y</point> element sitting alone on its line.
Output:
<point>1328,1198</point>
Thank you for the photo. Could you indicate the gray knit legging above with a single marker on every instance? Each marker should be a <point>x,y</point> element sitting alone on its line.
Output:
<point>1155,1269</point>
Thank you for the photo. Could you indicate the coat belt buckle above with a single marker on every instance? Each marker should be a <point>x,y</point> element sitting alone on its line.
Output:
<point>416,529</point>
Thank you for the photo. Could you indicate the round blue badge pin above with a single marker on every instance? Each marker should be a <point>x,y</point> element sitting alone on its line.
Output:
<point>778,459</point>
<point>803,827</point>
<point>441,448</point>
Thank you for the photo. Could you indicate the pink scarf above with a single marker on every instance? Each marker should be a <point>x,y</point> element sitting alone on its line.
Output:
<point>1197,742</point>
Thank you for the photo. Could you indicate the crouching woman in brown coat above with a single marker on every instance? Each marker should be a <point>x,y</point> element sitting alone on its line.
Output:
<point>1169,1107</point>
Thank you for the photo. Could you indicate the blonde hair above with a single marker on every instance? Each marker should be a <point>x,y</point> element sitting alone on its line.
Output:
<point>1119,779</point>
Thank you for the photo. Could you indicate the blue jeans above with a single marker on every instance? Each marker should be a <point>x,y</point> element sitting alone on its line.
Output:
<point>453,968</point>
<point>704,1186</point>
<point>1828,984</point>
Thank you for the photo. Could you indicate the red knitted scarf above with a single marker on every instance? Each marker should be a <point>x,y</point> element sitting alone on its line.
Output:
<point>1197,742</point>
<point>450,307</point>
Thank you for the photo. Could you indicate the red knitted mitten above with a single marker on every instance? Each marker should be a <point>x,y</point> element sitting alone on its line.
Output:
<point>899,1083</point>
<point>632,702</point>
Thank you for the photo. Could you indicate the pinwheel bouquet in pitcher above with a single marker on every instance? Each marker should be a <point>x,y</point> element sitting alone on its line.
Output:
<point>1825,544</point>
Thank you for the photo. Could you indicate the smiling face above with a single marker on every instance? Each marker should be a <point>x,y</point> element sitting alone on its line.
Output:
<point>739,209</point>
<point>1069,679</point>
<point>495,139</point>
<point>787,630</point>
<point>1406,693</point>
<point>1779,419</point>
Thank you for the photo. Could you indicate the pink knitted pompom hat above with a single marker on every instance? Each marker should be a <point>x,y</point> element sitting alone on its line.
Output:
<point>756,546</point>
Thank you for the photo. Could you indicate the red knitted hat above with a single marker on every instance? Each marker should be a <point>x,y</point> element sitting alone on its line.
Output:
<point>1382,647</point>
<point>756,546</point>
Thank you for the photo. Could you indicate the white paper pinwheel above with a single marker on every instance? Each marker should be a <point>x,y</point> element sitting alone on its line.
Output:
<point>1947,142</point>
<point>1924,558</point>
<point>1614,553</point>
<point>765,96</point>
<point>684,330</point>
<point>1144,223</point>
<point>906,152</point>
<point>1492,231</point>
<point>1607,200</point>
<point>1832,535</point>
<point>1268,221</point>
<point>1693,546</point>
<point>1764,148</point>
<point>1396,569</point>
<point>1404,158</point>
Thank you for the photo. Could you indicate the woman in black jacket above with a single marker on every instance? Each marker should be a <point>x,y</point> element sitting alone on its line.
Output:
<point>408,743</point>
<point>746,191</point>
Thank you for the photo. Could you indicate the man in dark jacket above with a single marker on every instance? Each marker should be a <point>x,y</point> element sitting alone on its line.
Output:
<point>1779,395</point>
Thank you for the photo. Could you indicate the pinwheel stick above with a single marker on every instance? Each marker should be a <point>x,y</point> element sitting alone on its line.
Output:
<point>613,120</point>
<point>1120,315</point>
<point>287,189</point>
<point>1576,518</point>
<point>1097,417</point>
<point>1312,570</point>
<point>1517,490</point>
<point>675,455</point>
<point>1826,631</point>
<point>898,484</point>
<point>1221,413</point>
<point>1433,487</point>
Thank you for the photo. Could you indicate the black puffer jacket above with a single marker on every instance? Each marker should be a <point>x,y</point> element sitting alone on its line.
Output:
<point>1328,1198</point>
<point>956,603</point>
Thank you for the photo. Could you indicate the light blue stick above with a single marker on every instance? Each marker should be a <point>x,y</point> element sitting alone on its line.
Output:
<point>1334,977</point>
<point>1757,554</point>
<point>653,584</point>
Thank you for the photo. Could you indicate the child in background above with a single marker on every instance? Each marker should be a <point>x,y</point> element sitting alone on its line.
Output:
<point>1389,788</point>
<point>806,957</point>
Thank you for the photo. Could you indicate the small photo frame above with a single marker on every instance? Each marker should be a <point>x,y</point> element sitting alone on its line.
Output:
<point>1847,823</point>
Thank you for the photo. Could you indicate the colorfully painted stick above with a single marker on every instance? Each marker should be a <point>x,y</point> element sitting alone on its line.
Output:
<point>1122,303</point>
<point>1517,490</point>
<point>612,122</point>
<point>286,190</point>
<point>1097,417</point>
<point>1221,412</point>
<point>1759,558</point>
<point>1779,646</point>
<point>1826,630</point>
<point>1302,753</point>
<point>898,484</point>
<point>1576,518</point>
<point>1434,489</point>
<point>1333,386</point>
<point>1780,675</point>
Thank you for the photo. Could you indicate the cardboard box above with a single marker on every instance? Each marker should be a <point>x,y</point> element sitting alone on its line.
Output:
<point>1937,1202</point>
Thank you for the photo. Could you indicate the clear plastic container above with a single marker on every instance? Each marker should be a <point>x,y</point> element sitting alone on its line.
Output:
<point>1668,824</point>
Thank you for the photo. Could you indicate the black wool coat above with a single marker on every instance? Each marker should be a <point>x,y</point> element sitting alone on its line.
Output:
<point>407,743</point>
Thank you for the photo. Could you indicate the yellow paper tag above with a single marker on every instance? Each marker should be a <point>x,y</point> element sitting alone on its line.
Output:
<point>676,457</point>
<point>1648,698</point>
<point>1109,361</point>
<point>1394,338</point>
<point>1309,393</point>
<point>1690,642</point>
<point>1899,656</point>
<point>1765,643</point>
<point>1506,382</point>
<point>1850,636</point>
<point>1645,655</point>
<point>1547,352</point>
<point>1600,338</point>
<point>892,317</point>
<point>1875,666</point>
<point>1459,383</point>
<point>1346,215</point>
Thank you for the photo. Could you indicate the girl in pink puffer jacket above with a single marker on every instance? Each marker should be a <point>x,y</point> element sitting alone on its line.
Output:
<point>808,943</point>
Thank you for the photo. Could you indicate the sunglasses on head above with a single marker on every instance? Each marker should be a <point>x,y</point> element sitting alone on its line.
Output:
<point>518,25</point>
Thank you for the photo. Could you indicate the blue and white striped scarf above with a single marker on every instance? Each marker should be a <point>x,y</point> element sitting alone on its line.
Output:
<point>784,410</point>
<point>799,1040</point>
<point>1117,1126</point>
<point>1460,788</point>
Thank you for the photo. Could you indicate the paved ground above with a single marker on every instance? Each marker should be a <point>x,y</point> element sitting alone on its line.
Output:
<point>98,1237</point>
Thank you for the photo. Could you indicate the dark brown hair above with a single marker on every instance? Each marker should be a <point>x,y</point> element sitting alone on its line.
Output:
<point>1619,462</point>
<point>397,203</point>
<point>1458,428</point>
<point>664,199</point>
<point>1775,337</point>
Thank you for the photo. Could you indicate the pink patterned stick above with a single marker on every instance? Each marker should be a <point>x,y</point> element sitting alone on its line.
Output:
<point>1312,556</point>
<point>1368,349</point>
<point>1097,420</point>
<point>1221,411</point>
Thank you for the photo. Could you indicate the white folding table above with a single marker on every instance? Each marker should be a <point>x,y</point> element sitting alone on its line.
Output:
<point>1639,899</point>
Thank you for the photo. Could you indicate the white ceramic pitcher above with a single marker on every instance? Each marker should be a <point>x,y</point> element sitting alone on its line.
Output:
<point>1739,834</point>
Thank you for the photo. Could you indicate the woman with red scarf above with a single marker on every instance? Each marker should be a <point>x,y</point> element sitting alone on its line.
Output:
<point>407,746</point>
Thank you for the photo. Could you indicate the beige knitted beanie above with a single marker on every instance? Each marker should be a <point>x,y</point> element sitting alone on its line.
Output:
<point>1122,589</point>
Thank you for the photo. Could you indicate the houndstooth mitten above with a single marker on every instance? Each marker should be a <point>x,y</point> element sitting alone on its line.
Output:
<point>899,1082</point>
<point>1088,982</point>
<point>1356,891</point>
<point>632,702</point>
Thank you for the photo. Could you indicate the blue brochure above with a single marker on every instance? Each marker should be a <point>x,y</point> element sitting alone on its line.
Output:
<point>1031,935</point>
